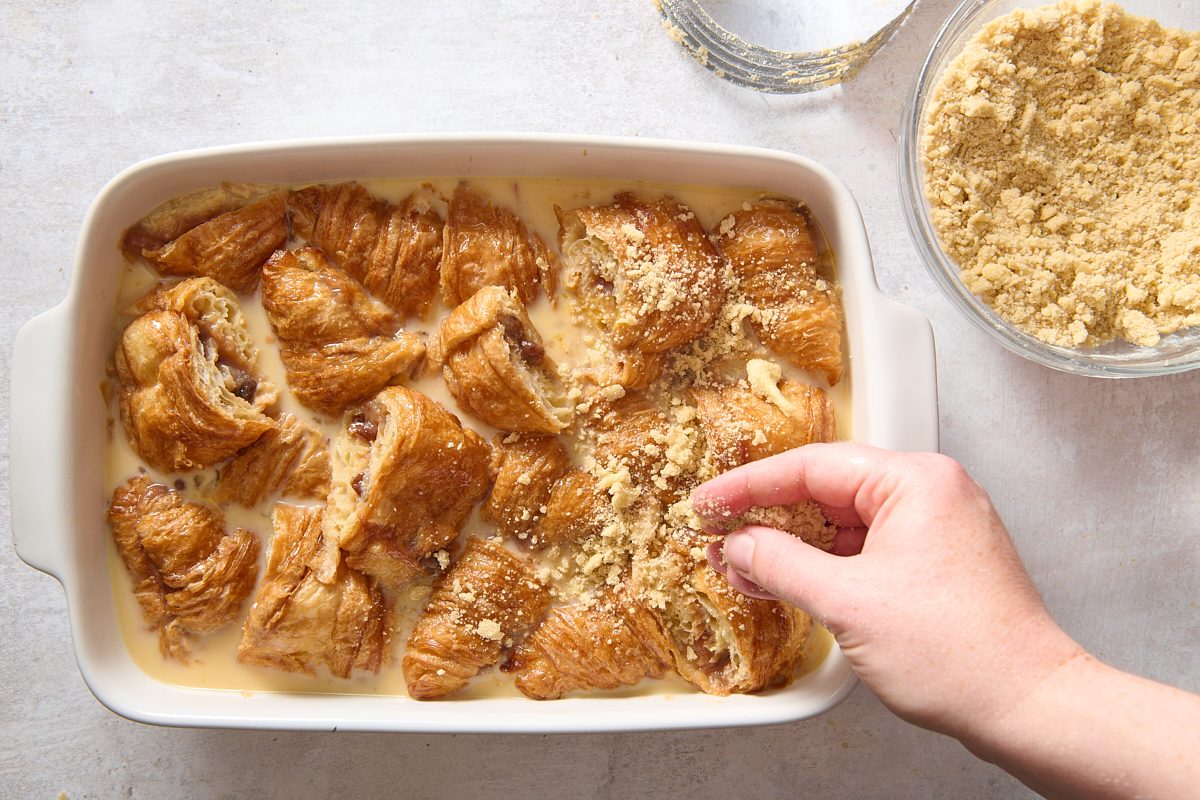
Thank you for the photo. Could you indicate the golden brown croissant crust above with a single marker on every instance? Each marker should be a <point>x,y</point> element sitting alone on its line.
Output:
<point>478,607</point>
<point>643,270</point>
<point>291,459</point>
<point>576,508</point>
<point>393,250</point>
<point>188,575</point>
<point>727,642</point>
<point>298,622</point>
<point>486,245</point>
<point>179,215</point>
<point>740,425</point>
<point>338,346</point>
<point>613,642</point>
<point>405,476</point>
<point>189,392</point>
<point>231,247</point>
<point>771,249</point>
<point>496,367</point>
<point>524,472</point>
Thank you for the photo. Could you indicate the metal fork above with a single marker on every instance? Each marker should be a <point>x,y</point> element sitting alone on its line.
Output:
<point>773,71</point>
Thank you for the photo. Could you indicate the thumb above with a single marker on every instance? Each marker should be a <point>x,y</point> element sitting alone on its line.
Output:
<point>790,569</point>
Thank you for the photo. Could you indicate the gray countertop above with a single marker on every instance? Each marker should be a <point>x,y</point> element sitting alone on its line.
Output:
<point>1097,479</point>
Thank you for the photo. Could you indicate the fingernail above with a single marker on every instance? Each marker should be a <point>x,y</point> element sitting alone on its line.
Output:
<point>739,551</point>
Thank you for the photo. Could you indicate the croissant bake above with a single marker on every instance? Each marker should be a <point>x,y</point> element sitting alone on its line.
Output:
<point>496,367</point>
<point>231,247</point>
<point>188,575</point>
<point>392,250</point>
<point>486,245</point>
<point>406,474</point>
<point>643,270</point>
<point>563,551</point>
<point>727,642</point>
<point>747,424</point>
<point>186,370</point>
<point>488,598</point>
<point>291,459</point>
<point>338,346</point>
<point>297,622</point>
<point>615,641</point>
<point>525,471</point>
<point>773,254</point>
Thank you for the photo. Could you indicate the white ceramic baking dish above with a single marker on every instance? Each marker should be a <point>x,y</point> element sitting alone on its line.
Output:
<point>58,417</point>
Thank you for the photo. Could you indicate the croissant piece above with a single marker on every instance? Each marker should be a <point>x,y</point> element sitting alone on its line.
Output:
<point>630,369</point>
<point>727,642</point>
<point>486,245</point>
<point>525,471</point>
<point>771,250</point>
<point>613,642</point>
<point>742,425</point>
<point>496,367</point>
<point>405,476</point>
<point>338,346</point>
<point>291,459</point>
<point>643,270</point>
<point>626,430</point>
<point>217,315</point>
<point>188,575</point>
<point>393,250</point>
<point>633,433</point>
<point>576,509</point>
<point>189,392</point>
<point>489,596</point>
<point>231,247</point>
<point>179,215</point>
<point>298,622</point>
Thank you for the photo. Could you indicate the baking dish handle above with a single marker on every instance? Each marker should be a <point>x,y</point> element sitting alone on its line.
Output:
<point>39,454</point>
<point>908,369</point>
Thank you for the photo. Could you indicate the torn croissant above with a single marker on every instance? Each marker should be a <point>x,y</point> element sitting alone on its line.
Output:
<point>291,459</point>
<point>771,250</point>
<point>405,476</point>
<point>231,247</point>
<point>747,424</point>
<point>298,622</point>
<point>487,598</point>
<point>487,245</point>
<point>188,575</point>
<point>643,270</point>
<point>525,471</point>
<point>338,346</point>
<point>393,250</point>
<point>613,642</point>
<point>727,642</point>
<point>186,369</point>
<point>496,367</point>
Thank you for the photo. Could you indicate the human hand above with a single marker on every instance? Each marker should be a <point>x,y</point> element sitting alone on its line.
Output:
<point>937,614</point>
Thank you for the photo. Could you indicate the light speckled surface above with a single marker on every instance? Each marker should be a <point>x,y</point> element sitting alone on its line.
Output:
<point>1098,480</point>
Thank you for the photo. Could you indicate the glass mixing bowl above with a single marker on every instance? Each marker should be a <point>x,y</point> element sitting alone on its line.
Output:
<point>1177,352</point>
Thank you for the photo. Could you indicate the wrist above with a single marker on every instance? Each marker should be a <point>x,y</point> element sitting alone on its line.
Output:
<point>1034,659</point>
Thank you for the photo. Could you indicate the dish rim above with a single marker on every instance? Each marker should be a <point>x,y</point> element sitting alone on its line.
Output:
<point>49,371</point>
